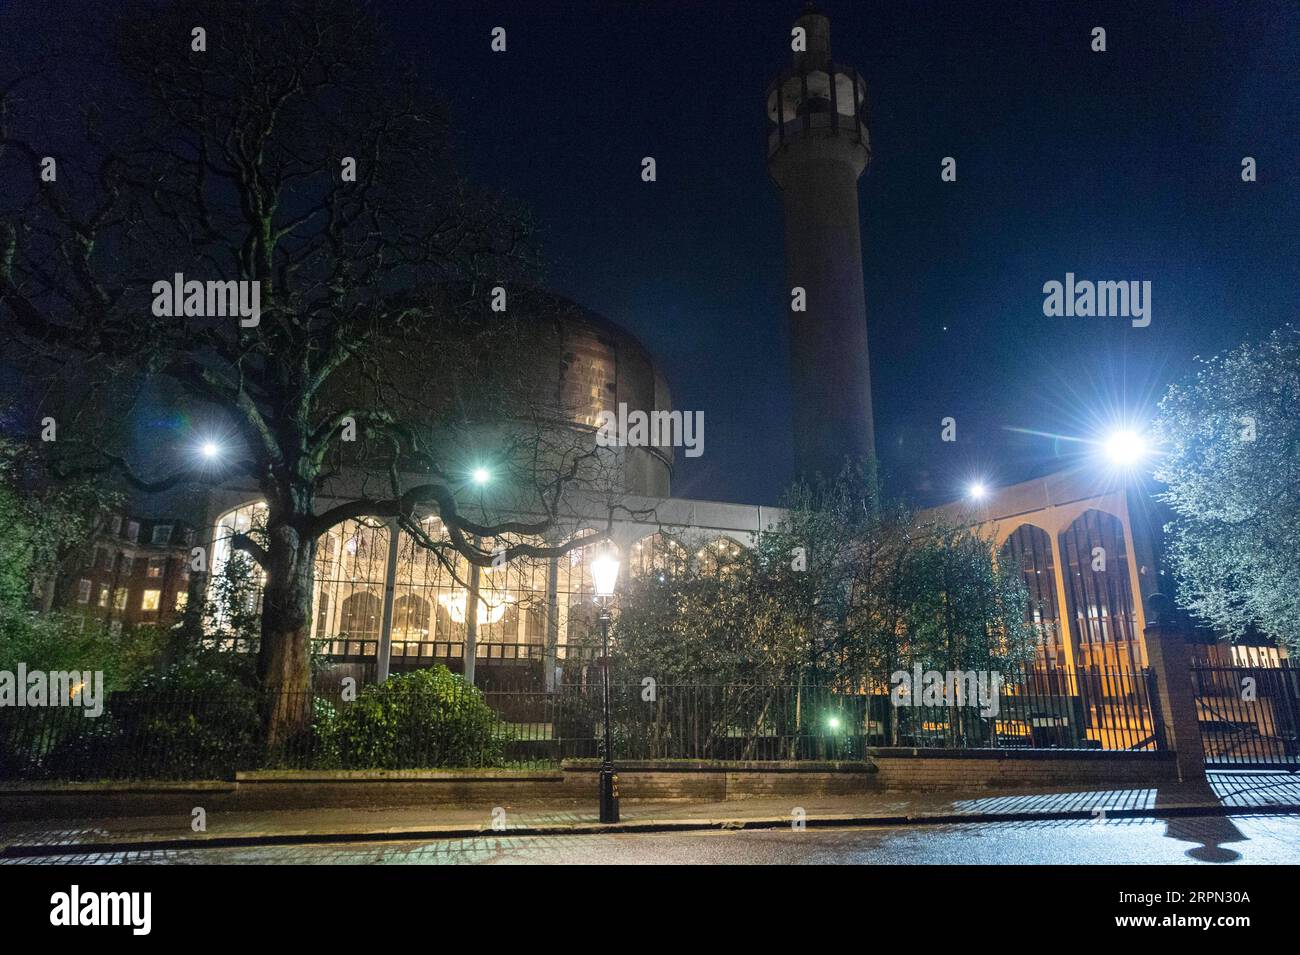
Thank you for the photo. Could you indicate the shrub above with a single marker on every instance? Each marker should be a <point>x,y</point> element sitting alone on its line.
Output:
<point>68,641</point>
<point>185,723</point>
<point>421,720</point>
<point>145,735</point>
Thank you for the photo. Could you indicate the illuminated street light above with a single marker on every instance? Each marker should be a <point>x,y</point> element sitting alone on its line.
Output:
<point>833,722</point>
<point>210,450</point>
<point>481,476</point>
<point>977,491</point>
<point>604,575</point>
<point>1125,448</point>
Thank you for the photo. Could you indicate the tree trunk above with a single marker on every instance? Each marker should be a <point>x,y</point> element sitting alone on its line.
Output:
<point>284,657</point>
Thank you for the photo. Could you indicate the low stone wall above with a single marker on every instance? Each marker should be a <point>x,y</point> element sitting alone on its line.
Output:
<point>80,800</point>
<point>287,789</point>
<point>709,781</point>
<point>921,770</point>
<point>916,770</point>
<point>574,785</point>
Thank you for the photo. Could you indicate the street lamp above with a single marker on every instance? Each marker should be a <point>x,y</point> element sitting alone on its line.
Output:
<point>1125,449</point>
<point>604,574</point>
<point>977,491</point>
<point>210,450</point>
<point>481,476</point>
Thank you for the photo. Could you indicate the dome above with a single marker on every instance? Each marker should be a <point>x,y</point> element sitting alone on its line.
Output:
<point>485,379</point>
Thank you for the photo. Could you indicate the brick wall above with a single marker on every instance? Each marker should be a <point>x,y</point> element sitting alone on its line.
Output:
<point>922,770</point>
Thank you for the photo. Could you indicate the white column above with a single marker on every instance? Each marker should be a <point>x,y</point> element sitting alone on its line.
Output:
<point>384,650</point>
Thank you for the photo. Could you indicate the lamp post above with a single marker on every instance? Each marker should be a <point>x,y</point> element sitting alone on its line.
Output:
<point>604,574</point>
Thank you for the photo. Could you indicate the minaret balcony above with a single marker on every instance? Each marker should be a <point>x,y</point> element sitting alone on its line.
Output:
<point>802,100</point>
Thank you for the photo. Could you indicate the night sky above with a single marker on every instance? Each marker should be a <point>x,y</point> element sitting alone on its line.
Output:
<point>1116,165</point>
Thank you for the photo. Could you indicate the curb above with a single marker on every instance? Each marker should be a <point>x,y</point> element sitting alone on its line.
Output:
<point>48,850</point>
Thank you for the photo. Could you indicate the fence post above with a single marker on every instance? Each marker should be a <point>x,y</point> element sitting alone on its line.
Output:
<point>1166,646</point>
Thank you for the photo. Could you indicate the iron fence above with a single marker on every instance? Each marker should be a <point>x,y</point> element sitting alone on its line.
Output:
<point>197,736</point>
<point>1248,716</point>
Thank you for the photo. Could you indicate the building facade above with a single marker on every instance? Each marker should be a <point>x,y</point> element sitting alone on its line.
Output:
<point>383,603</point>
<point>136,571</point>
<point>1088,555</point>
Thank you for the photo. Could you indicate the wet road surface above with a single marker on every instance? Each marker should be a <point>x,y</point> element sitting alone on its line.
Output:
<point>1207,839</point>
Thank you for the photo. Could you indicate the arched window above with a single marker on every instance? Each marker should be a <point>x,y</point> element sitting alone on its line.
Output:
<point>351,561</point>
<point>511,599</point>
<point>437,579</point>
<point>1029,548</point>
<point>412,617</point>
<point>658,555</point>
<point>512,605</point>
<point>359,623</point>
<point>575,594</point>
<point>233,574</point>
<point>719,555</point>
<point>1098,593</point>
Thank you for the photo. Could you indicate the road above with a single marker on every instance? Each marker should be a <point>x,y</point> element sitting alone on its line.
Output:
<point>1210,839</point>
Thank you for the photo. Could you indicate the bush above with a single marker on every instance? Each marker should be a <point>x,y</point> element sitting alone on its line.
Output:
<point>421,720</point>
<point>68,641</point>
<point>161,735</point>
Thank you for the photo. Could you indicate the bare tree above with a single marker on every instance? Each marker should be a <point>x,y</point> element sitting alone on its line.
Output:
<point>281,145</point>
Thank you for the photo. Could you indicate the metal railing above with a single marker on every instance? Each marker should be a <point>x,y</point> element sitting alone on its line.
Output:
<point>198,736</point>
<point>1248,716</point>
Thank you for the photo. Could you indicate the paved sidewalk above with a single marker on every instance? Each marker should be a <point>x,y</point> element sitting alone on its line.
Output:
<point>1228,793</point>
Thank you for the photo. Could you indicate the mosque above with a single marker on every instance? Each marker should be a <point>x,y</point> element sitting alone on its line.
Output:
<point>385,604</point>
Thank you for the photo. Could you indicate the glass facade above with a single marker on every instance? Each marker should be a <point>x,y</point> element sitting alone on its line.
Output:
<point>1098,592</point>
<point>659,554</point>
<point>527,609</point>
<point>249,519</point>
<point>545,609</point>
<point>1030,549</point>
<point>351,571</point>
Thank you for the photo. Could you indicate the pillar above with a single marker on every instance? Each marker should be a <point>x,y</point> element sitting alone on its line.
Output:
<point>1069,635</point>
<point>470,652</point>
<point>384,652</point>
<point>552,622</point>
<point>1171,663</point>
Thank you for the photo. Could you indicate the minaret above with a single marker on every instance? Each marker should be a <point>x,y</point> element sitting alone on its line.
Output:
<point>817,147</point>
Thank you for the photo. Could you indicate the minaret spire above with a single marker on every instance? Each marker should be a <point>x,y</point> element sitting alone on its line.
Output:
<point>817,147</point>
